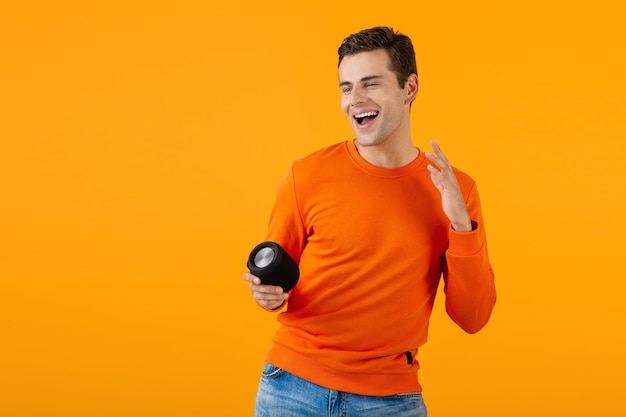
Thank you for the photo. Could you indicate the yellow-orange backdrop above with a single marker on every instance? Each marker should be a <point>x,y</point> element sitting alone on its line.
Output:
<point>141,145</point>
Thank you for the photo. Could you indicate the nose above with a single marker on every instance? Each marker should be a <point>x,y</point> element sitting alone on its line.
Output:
<point>357,96</point>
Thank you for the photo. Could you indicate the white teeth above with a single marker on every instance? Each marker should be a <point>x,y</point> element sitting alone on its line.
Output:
<point>366,114</point>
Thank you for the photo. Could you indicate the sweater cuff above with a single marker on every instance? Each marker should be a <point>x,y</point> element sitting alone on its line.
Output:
<point>465,243</point>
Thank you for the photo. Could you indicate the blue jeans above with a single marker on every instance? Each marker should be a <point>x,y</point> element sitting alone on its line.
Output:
<point>282,394</point>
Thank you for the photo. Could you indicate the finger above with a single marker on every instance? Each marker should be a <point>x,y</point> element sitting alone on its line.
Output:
<point>266,289</point>
<point>252,279</point>
<point>271,305</point>
<point>434,169</point>
<point>438,151</point>
<point>441,168</point>
<point>435,159</point>
<point>269,302</point>
<point>270,296</point>
<point>436,177</point>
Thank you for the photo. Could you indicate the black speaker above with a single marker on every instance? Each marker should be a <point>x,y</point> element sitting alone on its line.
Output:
<point>273,265</point>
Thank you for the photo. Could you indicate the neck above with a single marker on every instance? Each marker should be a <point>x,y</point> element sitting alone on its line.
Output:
<point>388,154</point>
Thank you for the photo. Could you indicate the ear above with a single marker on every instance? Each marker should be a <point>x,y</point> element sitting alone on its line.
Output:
<point>411,87</point>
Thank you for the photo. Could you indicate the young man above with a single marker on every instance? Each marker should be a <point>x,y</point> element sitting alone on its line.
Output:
<point>373,224</point>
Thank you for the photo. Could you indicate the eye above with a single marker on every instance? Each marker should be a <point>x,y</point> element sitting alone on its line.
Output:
<point>346,90</point>
<point>370,85</point>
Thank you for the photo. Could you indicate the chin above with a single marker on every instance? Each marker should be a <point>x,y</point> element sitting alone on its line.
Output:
<point>364,141</point>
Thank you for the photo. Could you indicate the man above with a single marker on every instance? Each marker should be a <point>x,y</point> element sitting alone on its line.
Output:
<point>373,224</point>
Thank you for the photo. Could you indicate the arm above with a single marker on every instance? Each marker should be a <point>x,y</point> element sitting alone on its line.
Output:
<point>468,276</point>
<point>286,229</point>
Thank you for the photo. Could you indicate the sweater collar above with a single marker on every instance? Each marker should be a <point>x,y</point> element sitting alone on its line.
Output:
<point>372,169</point>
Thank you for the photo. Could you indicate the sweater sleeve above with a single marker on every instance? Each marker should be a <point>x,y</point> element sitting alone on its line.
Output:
<point>468,275</point>
<point>286,226</point>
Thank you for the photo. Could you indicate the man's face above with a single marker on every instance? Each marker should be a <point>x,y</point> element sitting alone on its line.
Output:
<point>376,106</point>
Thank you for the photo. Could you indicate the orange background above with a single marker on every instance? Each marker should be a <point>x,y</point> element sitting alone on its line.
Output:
<point>142,143</point>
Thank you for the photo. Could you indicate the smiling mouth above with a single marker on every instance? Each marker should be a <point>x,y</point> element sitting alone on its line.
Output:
<point>365,117</point>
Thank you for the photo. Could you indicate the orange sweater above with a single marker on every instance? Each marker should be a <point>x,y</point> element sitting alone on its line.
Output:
<point>372,244</point>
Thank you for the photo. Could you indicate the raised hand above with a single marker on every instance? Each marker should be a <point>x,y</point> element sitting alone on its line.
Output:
<point>443,178</point>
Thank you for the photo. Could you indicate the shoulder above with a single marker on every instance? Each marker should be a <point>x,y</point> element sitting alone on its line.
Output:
<point>466,182</point>
<point>326,156</point>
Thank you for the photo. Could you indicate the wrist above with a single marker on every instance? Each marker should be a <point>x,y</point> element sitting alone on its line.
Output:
<point>462,227</point>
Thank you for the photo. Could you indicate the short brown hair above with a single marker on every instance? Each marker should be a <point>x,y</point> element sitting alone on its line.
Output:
<point>398,46</point>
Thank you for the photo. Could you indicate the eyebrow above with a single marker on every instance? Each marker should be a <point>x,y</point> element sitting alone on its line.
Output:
<point>364,79</point>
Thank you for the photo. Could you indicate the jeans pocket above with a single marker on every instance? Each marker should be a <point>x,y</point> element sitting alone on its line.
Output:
<point>270,371</point>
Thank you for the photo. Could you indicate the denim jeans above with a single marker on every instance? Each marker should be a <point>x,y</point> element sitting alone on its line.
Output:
<point>282,394</point>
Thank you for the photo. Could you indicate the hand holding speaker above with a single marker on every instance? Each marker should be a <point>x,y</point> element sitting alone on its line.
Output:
<point>273,265</point>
